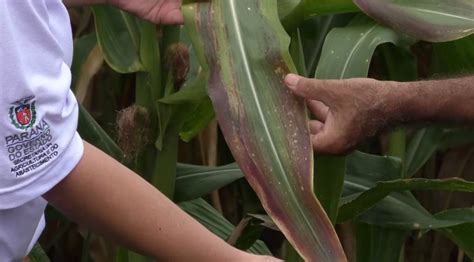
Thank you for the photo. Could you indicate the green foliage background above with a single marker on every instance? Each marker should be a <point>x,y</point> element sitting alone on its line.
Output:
<point>403,196</point>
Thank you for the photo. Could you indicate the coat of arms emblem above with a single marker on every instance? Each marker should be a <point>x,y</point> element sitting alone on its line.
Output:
<point>23,113</point>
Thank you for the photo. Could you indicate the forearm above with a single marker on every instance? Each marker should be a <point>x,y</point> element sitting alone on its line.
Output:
<point>110,199</point>
<point>450,100</point>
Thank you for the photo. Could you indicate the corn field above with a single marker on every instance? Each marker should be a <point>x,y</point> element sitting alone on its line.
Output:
<point>201,112</point>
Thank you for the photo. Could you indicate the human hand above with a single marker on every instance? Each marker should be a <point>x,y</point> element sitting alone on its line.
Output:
<point>345,111</point>
<point>155,11</point>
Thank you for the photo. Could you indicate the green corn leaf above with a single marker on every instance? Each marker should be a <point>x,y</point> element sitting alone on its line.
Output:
<point>91,131</point>
<point>346,54</point>
<point>216,223</point>
<point>347,51</point>
<point>420,149</point>
<point>37,254</point>
<point>427,141</point>
<point>377,244</point>
<point>197,120</point>
<point>245,50</point>
<point>321,7</point>
<point>293,13</point>
<point>453,58</point>
<point>117,39</point>
<point>460,234</point>
<point>197,181</point>
<point>313,34</point>
<point>366,200</point>
<point>399,209</point>
<point>429,20</point>
<point>82,49</point>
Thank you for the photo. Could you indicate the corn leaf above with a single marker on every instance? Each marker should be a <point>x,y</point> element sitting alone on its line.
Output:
<point>378,244</point>
<point>366,200</point>
<point>216,223</point>
<point>460,234</point>
<point>197,181</point>
<point>429,20</point>
<point>320,7</point>
<point>314,32</point>
<point>346,53</point>
<point>117,39</point>
<point>422,146</point>
<point>245,50</point>
<point>399,209</point>
<point>453,58</point>
<point>37,254</point>
<point>93,133</point>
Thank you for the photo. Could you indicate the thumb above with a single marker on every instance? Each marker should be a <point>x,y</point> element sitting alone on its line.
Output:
<point>305,87</point>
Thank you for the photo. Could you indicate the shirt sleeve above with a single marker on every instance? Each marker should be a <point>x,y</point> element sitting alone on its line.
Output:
<point>39,145</point>
<point>40,148</point>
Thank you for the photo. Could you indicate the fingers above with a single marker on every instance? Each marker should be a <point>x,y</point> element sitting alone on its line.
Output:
<point>315,126</point>
<point>311,88</point>
<point>319,110</point>
<point>303,87</point>
<point>326,142</point>
<point>329,138</point>
<point>173,17</point>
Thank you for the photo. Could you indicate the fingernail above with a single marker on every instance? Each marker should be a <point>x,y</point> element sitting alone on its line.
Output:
<point>291,80</point>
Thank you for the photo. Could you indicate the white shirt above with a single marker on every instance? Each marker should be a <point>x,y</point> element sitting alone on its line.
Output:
<point>39,144</point>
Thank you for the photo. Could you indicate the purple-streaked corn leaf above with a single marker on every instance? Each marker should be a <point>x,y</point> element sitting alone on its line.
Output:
<point>243,46</point>
<point>429,20</point>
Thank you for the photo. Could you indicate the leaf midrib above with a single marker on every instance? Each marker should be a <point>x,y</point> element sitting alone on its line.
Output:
<point>353,50</point>
<point>243,53</point>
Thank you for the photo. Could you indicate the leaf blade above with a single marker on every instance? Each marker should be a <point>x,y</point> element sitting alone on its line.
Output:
<point>261,120</point>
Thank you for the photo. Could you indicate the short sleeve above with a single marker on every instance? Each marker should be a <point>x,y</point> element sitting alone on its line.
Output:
<point>39,145</point>
<point>34,159</point>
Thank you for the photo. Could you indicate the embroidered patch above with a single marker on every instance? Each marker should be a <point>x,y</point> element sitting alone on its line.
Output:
<point>23,113</point>
<point>33,146</point>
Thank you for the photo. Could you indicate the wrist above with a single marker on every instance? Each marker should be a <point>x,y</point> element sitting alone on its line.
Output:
<point>399,102</point>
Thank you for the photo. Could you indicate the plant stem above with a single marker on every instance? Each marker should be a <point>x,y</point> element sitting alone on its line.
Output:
<point>397,144</point>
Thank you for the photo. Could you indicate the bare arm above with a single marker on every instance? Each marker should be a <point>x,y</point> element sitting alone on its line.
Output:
<point>348,111</point>
<point>110,199</point>
<point>449,100</point>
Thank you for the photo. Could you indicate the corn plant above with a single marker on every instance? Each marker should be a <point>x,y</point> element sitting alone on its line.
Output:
<point>228,62</point>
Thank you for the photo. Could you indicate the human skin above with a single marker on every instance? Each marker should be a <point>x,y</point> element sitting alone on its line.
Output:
<point>108,198</point>
<point>348,111</point>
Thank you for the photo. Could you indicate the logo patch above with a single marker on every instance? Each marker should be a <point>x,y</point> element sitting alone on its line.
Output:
<point>23,113</point>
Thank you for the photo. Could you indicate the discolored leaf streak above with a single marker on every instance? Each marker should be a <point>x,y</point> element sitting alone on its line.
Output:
<point>245,50</point>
